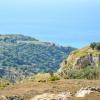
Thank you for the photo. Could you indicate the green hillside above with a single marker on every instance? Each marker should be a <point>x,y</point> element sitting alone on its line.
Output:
<point>21,56</point>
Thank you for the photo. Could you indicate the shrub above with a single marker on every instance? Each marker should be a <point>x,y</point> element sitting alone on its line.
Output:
<point>54,78</point>
<point>91,73</point>
<point>95,45</point>
<point>86,73</point>
<point>42,77</point>
<point>4,83</point>
<point>98,46</point>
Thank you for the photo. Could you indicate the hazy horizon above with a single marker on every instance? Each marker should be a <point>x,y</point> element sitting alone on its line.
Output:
<point>64,22</point>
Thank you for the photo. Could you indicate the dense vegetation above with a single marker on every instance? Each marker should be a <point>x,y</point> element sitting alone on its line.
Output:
<point>86,73</point>
<point>21,56</point>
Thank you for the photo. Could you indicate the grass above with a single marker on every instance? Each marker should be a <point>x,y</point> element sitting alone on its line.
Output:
<point>43,77</point>
<point>29,89</point>
<point>4,83</point>
<point>84,51</point>
<point>80,53</point>
<point>54,78</point>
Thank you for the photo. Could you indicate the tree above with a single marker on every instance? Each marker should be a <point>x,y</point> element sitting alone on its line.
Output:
<point>98,46</point>
<point>93,45</point>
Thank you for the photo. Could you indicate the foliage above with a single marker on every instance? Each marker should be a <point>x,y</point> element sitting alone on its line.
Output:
<point>86,73</point>
<point>21,56</point>
<point>95,45</point>
<point>42,77</point>
<point>54,78</point>
<point>4,83</point>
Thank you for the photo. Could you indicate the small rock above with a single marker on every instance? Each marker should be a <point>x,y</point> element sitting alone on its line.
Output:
<point>14,98</point>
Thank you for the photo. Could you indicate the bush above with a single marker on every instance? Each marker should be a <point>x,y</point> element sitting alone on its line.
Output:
<point>91,73</point>
<point>42,77</point>
<point>95,46</point>
<point>73,74</point>
<point>3,83</point>
<point>86,73</point>
<point>54,78</point>
<point>98,46</point>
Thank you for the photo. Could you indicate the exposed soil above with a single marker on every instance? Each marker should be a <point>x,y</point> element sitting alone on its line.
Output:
<point>30,89</point>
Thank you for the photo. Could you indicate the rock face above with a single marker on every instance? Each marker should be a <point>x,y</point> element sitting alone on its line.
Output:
<point>88,60</point>
<point>85,91</point>
<point>81,58</point>
<point>48,96</point>
<point>11,98</point>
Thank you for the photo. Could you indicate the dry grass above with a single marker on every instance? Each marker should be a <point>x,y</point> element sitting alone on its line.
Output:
<point>29,89</point>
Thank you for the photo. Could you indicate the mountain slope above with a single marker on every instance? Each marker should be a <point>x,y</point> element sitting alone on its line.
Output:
<point>21,56</point>
<point>88,56</point>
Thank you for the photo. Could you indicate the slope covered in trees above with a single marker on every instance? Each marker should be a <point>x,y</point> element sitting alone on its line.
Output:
<point>21,56</point>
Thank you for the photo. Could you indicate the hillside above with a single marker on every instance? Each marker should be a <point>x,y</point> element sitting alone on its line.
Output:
<point>22,56</point>
<point>82,58</point>
<point>82,63</point>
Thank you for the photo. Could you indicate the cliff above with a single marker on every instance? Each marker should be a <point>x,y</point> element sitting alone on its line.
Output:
<point>81,58</point>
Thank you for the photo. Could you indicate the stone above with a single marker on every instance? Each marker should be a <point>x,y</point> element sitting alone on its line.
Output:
<point>86,91</point>
<point>49,96</point>
<point>15,98</point>
<point>88,60</point>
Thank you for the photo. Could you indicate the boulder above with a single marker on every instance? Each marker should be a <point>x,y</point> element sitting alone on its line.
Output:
<point>86,91</point>
<point>49,96</point>
<point>14,98</point>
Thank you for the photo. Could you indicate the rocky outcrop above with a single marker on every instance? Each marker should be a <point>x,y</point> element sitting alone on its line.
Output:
<point>83,92</point>
<point>15,98</point>
<point>88,60</point>
<point>86,91</point>
<point>11,98</point>
<point>49,96</point>
<point>81,58</point>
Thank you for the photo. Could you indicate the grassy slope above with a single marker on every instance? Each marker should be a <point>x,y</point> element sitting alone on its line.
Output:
<point>80,53</point>
<point>84,51</point>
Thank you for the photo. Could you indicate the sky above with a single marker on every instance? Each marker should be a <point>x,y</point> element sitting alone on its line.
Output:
<point>65,22</point>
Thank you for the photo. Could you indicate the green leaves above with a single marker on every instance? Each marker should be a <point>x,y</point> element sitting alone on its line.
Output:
<point>26,55</point>
<point>86,73</point>
<point>95,45</point>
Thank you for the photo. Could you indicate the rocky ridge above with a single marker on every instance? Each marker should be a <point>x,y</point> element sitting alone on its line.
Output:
<point>81,58</point>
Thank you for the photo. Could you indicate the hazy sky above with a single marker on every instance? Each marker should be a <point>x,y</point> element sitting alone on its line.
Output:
<point>66,22</point>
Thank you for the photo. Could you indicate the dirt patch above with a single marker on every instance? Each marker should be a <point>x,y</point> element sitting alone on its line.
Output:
<point>31,89</point>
